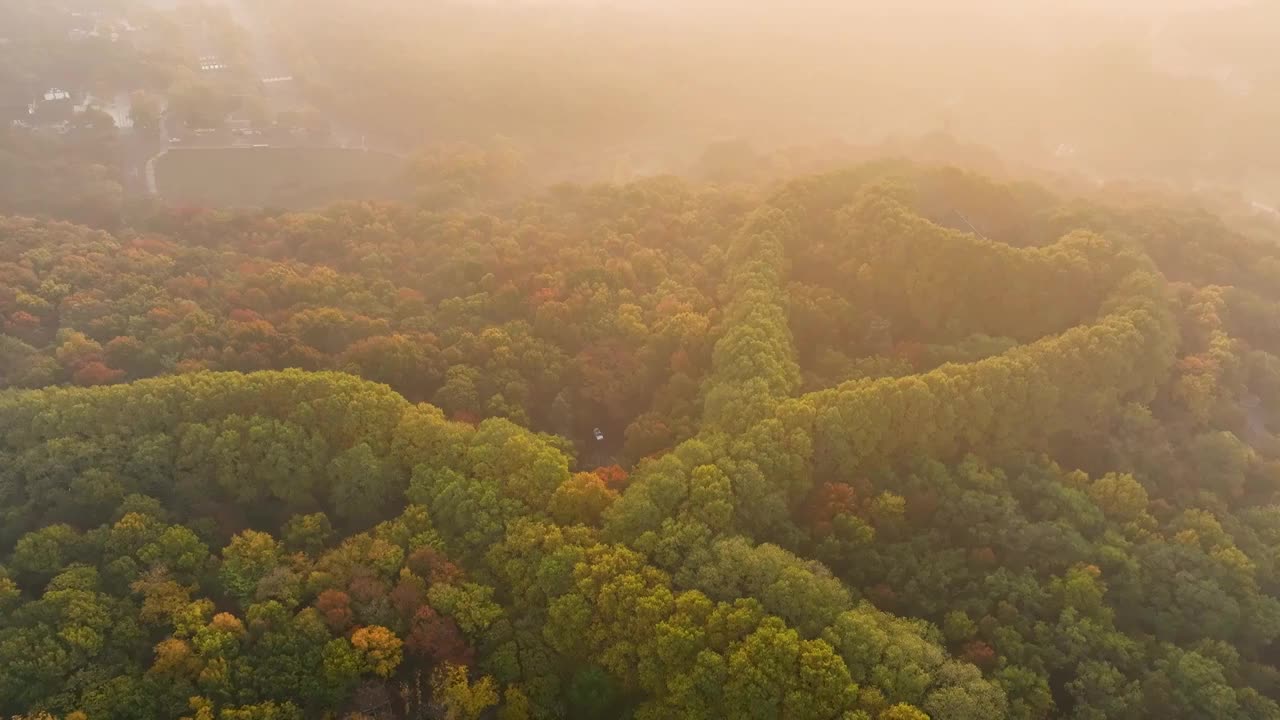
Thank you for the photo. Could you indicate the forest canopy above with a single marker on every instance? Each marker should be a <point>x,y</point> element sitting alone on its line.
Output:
<point>639,360</point>
<point>887,443</point>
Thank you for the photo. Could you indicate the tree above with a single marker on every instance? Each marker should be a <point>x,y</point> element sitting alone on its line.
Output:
<point>246,561</point>
<point>43,553</point>
<point>592,693</point>
<point>95,372</point>
<point>438,639</point>
<point>335,609</point>
<point>1186,685</point>
<point>342,666</point>
<point>262,711</point>
<point>515,705</point>
<point>582,498</point>
<point>409,364</point>
<point>901,711</point>
<point>461,698</point>
<point>307,533</point>
<point>379,648</point>
<point>360,484</point>
<point>1120,497</point>
<point>1101,691</point>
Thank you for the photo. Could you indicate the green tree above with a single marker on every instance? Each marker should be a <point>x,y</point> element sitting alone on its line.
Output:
<point>249,558</point>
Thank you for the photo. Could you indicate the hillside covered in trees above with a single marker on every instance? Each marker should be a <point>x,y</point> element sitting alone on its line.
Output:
<point>891,443</point>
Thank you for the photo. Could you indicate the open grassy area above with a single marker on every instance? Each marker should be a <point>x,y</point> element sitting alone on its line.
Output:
<point>275,177</point>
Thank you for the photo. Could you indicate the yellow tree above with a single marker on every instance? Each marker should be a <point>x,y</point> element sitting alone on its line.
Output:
<point>379,648</point>
<point>460,698</point>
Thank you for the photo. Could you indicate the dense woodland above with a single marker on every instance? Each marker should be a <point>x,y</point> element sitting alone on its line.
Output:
<point>891,443</point>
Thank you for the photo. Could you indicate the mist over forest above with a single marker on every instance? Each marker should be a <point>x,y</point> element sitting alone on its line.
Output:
<point>638,359</point>
<point>1161,91</point>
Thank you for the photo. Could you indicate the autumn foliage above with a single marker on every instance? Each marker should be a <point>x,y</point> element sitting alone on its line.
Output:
<point>857,462</point>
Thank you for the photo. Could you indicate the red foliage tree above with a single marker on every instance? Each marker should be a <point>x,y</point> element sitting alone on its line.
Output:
<point>614,476</point>
<point>980,654</point>
<point>335,608</point>
<point>827,501</point>
<point>465,416</point>
<point>438,639</point>
<point>21,320</point>
<point>365,588</point>
<point>95,372</point>
<point>983,557</point>
<point>408,595</point>
<point>429,563</point>
<point>882,596</point>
